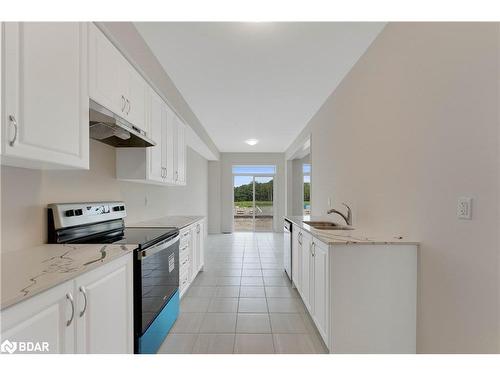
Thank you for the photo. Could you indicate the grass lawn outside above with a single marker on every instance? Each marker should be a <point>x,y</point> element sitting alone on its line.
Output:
<point>248,204</point>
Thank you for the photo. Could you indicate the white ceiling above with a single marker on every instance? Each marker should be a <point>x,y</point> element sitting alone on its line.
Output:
<point>257,80</point>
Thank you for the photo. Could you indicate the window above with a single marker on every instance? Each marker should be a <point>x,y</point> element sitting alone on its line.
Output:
<point>254,169</point>
<point>306,173</point>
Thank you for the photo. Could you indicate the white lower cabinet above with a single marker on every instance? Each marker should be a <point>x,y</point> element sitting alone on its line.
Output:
<point>45,114</point>
<point>198,233</point>
<point>319,288</point>
<point>306,270</point>
<point>361,297</point>
<point>191,254</point>
<point>48,317</point>
<point>91,314</point>
<point>104,316</point>
<point>312,268</point>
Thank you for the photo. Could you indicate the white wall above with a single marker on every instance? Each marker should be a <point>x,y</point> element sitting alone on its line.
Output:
<point>413,127</point>
<point>221,188</point>
<point>26,193</point>
<point>214,197</point>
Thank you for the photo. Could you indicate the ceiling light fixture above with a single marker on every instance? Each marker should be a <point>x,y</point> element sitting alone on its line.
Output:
<point>252,141</point>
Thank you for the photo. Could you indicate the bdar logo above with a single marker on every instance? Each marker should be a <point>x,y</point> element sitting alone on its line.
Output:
<point>8,347</point>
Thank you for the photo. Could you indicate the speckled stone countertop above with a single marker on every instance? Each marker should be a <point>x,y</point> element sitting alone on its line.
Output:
<point>353,236</point>
<point>169,221</point>
<point>27,272</point>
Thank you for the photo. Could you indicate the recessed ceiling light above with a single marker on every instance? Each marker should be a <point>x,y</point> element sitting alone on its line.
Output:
<point>252,141</point>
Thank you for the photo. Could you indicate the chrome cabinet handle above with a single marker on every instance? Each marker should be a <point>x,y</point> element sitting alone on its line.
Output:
<point>84,292</point>
<point>70,298</point>
<point>129,106</point>
<point>313,249</point>
<point>13,121</point>
<point>124,103</point>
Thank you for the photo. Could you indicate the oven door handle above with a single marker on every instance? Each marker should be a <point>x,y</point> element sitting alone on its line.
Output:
<point>158,247</point>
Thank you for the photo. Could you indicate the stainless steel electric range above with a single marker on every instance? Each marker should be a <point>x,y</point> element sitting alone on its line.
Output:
<point>156,261</point>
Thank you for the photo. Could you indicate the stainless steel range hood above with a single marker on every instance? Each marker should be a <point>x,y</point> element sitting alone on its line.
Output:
<point>111,129</point>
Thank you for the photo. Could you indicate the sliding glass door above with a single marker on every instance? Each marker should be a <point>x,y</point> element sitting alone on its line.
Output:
<point>253,207</point>
<point>263,201</point>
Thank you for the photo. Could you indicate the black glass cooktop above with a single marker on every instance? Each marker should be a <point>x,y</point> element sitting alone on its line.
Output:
<point>142,237</point>
<point>145,237</point>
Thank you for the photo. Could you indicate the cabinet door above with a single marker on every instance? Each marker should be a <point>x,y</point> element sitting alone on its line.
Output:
<point>157,121</point>
<point>195,246</point>
<point>305,269</point>
<point>296,261</point>
<point>46,116</point>
<point>199,243</point>
<point>169,146</point>
<point>106,69</point>
<point>136,98</point>
<point>180,152</point>
<point>201,246</point>
<point>320,289</point>
<point>43,319</point>
<point>105,309</point>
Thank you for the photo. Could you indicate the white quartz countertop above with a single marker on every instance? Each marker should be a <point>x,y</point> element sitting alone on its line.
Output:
<point>31,271</point>
<point>169,221</point>
<point>355,236</point>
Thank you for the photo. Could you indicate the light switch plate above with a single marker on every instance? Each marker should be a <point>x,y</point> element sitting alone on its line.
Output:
<point>464,208</point>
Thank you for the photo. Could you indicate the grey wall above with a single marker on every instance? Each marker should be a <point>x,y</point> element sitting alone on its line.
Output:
<point>413,127</point>
<point>26,193</point>
<point>297,185</point>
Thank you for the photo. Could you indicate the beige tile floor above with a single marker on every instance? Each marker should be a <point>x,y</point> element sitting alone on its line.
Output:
<point>243,303</point>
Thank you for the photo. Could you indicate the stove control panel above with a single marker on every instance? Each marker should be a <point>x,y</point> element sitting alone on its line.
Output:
<point>71,214</point>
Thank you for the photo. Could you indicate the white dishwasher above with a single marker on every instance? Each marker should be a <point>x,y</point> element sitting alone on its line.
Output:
<point>287,251</point>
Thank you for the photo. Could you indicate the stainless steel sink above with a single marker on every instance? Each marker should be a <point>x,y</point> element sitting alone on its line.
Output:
<point>327,225</point>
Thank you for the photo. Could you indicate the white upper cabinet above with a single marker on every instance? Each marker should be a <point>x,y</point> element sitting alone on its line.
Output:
<point>158,124</point>
<point>180,152</point>
<point>45,92</point>
<point>164,163</point>
<point>114,83</point>
<point>168,146</point>
<point>106,67</point>
<point>136,94</point>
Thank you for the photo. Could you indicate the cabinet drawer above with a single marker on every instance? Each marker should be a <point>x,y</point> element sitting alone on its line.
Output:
<point>183,250</point>
<point>185,237</point>
<point>184,264</point>
<point>183,281</point>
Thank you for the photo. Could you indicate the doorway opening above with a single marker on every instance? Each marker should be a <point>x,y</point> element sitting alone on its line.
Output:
<point>253,198</point>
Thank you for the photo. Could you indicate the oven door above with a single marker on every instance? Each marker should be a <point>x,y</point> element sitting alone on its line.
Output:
<point>156,281</point>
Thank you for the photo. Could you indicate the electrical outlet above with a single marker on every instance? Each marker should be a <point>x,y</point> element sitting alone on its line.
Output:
<point>464,208</point>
